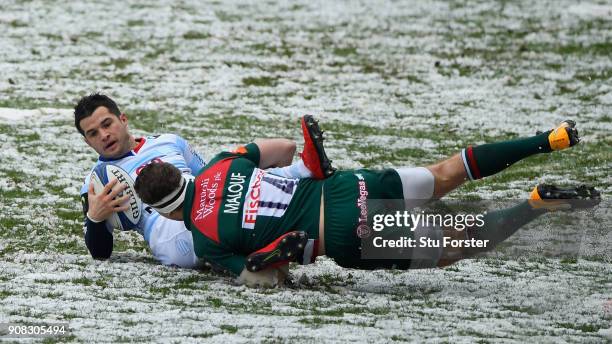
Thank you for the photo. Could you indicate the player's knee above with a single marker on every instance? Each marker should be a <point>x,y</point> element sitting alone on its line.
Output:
<point>440,173</point>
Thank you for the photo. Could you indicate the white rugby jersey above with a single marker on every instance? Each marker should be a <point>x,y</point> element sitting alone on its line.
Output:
<point>167,148</point>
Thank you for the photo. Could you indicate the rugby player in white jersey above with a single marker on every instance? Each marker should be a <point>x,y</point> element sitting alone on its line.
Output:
<point>105,129</point>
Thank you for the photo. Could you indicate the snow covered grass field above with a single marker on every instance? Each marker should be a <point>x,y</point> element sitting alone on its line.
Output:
<point>394,83</point>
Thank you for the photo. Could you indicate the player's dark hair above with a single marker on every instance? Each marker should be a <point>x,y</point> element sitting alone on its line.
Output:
<point>156,181</point>
<point>88,104</point>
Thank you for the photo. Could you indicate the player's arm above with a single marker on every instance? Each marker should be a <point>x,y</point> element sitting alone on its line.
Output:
<point>192,158</point>
<point>97,208</point>
<point>275,152</point>
<point>98,239</point>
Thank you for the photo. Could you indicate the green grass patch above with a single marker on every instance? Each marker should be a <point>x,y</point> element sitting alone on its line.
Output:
<point>263,81</point>
<point>69,215</point>
<point>119,63</point>
<point>67,338</point>
<point>229,328</point>
<point>83,281</point>
<point>227,17</point>
<point>189,35</point>
<point>188,282</point>
<point>30,103</point>
<point>569,260</point>
<point>344,52</point>
<point>51,36</point>
<point>148,121</point>
<point>215,302</point>
<point>587,328</point>
<point>135,23</point>
<point>17,23</point>
<point>284,50</point>
<point>523,309</point>
<point>318,321</point>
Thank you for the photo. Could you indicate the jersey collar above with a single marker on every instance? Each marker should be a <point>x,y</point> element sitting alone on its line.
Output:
<point>140,141</point>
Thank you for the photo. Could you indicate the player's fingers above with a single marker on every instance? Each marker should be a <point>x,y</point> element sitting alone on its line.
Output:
<point>117,190</point>
<point>119,200</point>
<point>108,187</point>
<point>121,208</point>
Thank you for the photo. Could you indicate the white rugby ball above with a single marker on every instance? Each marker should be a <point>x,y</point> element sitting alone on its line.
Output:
<point>102,175</point>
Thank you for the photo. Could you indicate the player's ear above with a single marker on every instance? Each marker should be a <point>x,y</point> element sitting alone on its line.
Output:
<point>123,118</point>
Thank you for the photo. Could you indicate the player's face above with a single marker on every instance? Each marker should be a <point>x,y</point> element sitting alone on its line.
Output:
<point>106,133</point>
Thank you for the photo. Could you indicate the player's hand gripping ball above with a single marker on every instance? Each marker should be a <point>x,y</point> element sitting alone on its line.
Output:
<point>102,175</point>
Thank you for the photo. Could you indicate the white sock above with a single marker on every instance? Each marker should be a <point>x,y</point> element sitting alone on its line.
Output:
<point>295,170</point>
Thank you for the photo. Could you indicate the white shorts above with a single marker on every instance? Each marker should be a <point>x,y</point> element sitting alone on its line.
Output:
<point>172,244</point>
<point>417,185</point>
<point>418,188</point>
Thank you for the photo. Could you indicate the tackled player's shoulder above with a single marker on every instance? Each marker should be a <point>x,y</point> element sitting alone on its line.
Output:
<point>167,137</point>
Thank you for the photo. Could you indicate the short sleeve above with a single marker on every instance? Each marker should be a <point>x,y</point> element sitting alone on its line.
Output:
<point>249,151</point>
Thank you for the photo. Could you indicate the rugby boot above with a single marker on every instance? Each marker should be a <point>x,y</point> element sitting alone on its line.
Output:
<point>551,197</point>
<point>313,155</point>
<point>565,135</point>
<point>287,248</point>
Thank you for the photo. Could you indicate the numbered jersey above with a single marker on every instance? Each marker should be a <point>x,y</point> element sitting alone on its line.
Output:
<point>237,208</point>
<point>168,148</point>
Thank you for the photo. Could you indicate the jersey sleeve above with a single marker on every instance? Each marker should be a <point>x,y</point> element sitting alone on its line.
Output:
<point>192,158</point>
<point>249,151</point>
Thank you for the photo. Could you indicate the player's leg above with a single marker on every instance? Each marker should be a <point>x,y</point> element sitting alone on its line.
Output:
<point>314,162</point>
<point>448,175</point>
<point>476,162</point>
<point>488,159</point>
<point>499,225</point>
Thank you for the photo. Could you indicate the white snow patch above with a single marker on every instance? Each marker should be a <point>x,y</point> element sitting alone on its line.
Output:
<point>11,114</point>
<point>591,10</point>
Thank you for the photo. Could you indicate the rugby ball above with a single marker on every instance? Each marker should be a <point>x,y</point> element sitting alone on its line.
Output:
<point>102,175</point>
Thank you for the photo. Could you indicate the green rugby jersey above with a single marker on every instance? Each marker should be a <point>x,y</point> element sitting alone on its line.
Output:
<point>233,208</point>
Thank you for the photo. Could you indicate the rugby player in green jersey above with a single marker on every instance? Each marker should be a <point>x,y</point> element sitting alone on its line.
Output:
<point>251,222</point>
